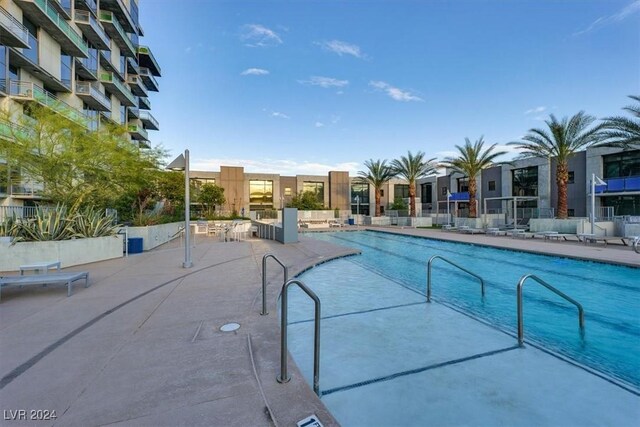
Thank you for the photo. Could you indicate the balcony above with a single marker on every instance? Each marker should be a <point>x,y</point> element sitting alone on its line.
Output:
<point>44,15</point>
<point>21,91</point>
<point>133,113</point>
<point>91,95</point>
<point>92,29</point>
<point>460,197</point>
<point>149,121</point>
<point>146,59</point>
<point>87,68</point>
<point>122,13</point>
<point>137,132</point>
<point>137,86</point>
<point>132,66</point>
<point>117,33</point>
<point>149,81</point>
<point>144,103</point>
<point>619,185</point>
<point>89,5</point>
<point>25,189</point>
<point>116,87</point>
<point>10,131</point>
<point>12,32</point>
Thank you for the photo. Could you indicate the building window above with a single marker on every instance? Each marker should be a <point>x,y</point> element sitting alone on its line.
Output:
<point>623,205</point>
<point>426,193</point>
<point>199,182</point>
<point>287,191</point>
<point>361,205</point>
<point>492,186</point>
<point>525,181</point>
<point>401,191</point>
<point>381,193</point>
<point>316,188</point>
<point>622,165</point>
<point>444,191</point>
<point>571,212</point>
<point>260,194</point>
<point>463,185</point>
<point>572,177</point>
<point>3,69</point>
<point>65,70</point>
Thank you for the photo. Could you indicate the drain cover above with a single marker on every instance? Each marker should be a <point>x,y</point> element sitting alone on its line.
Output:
<point>230,327</point>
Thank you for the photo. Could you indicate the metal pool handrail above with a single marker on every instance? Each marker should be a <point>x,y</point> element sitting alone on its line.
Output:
<point>636,244</point>
<point>284,376</point>
<point>264,279</point>
<point>433,258</point>
<point>552,289</point>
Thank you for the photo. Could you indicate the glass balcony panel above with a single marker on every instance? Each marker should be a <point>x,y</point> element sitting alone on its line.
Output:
<point>92,29</point>
<point>29,91</point>
<point>115,30</point>
<point>32,52</point>
<point>12,32</point>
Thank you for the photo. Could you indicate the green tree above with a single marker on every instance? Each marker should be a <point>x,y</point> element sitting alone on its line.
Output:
<point>210,196</point>
<point>412,168</point>
<point>307,201</point>
<point>561,141</point>
<point>472,159</point>
<point>624,131</point>
<point>378,173</point>
<point>399,205</point>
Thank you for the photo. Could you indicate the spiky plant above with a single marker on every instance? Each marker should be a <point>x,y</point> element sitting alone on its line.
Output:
<point>470,162</point>
<point>561,141</point>
<point>92,223</point>
<point>49,224</point>
<point>622,131</point>
<point>378,173</point>
<point>412,168</point>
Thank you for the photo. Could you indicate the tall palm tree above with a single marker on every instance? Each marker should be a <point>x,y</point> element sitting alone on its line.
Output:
<point>378,173</point>
<point>561,140</point>
<point>411,168</point>
<point>470,162</point>
<point>623,131</point>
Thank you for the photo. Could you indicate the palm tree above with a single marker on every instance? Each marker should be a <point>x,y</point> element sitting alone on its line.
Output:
<point>378,173</point>
<point>411,168</point>
<point>471,161</point>
<point>561,141</point>
<point>623,131</point>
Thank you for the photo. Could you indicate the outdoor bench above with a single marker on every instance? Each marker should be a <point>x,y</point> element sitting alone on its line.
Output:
<point>45,279</point>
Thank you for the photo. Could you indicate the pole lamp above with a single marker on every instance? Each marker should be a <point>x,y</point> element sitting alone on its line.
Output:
<point>357,210</point>
<point>594,181</point>
<point>448,201</point>
<point>181,163</point>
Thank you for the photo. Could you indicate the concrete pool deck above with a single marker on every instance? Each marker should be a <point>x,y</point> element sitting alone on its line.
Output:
<point>142,345</point>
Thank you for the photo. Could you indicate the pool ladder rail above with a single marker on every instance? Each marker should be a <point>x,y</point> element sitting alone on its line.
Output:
<point>433,258</point>
<point>264,279</point>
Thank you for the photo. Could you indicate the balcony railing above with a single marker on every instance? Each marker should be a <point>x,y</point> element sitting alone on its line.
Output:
<point>138,132</point>
<point>146,58</point>
<point>92,29</point>
<point>21,211</point>
<point>137,85</point>
<point>149,121</point>
<point>144,103</point>
<point>61,25</point>
<point>31,53</point>
<point>91,89</point>
<point>10,25</point>
<point>25,188</point>
<point>88,67</point>
<point>89,4</point>
<point>32,92</point>
<point>619,185</point>
<point>149,80</point>
<point>121,91</point>
<point>116,31</point>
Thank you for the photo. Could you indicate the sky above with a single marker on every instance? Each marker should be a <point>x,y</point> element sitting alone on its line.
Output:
<point>308,86</point>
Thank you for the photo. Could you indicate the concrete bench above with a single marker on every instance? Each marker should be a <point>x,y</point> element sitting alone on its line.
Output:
<point>46,279</point>
<point>40,267</point>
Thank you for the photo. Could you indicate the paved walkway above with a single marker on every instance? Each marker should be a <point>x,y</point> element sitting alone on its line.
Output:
<point>142,345</point>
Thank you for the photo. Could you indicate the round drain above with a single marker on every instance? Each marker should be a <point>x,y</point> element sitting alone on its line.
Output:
<point>230,327</point>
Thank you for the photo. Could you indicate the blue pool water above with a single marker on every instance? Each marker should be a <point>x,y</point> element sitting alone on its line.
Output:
<point>609,294</point>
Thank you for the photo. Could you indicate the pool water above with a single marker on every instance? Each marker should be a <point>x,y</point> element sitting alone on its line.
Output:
<point>609,294</point>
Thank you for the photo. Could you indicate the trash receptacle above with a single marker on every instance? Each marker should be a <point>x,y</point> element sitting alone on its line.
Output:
<point>352,221</point>
<point>135,245</point>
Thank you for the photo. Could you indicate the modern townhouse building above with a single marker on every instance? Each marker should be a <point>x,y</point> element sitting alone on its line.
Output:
<point>532,180</point>
<point>82,59</point>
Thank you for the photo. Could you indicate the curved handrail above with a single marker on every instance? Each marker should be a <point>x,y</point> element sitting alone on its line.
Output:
<point>552,289</point>
<point>636,244</point>
<point>433,258</point>
<point>264,279</point>
<point>284,376</point>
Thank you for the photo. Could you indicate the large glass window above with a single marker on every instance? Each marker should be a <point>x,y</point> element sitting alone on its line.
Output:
<point>360,206</point>
<point>622,165</point>
<point>463,185</point>
<point>32,51</point>
<point>260,194</point>
<point>316,188</point>
<point>3,68</point>
<point>525,181</point>
<point>401,191</point>
<point>65,70</point>
<point>623,205</point>
<point>426,193</point>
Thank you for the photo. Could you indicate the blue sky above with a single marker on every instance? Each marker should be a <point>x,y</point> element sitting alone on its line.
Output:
<point>303,87</point>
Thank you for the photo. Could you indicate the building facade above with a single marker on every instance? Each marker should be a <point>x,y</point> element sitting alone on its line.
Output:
<point>82,59</point>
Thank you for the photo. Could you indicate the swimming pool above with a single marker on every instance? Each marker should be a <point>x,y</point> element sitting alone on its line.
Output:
<point>610,294</point>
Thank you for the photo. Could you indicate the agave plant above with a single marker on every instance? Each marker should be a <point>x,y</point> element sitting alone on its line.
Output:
<point>92,223</point>
<point>6,224</point>
<point>50,224</point>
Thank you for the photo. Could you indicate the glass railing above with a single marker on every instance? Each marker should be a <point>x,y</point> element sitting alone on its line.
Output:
<point>144,102</point>
<point>31,90</point>
<point>62,25</point>
<point>25,187</point>
<point>85,17</point>
<point>133,128</point>
<point>110,78</point>
<point>108,16</point>
<point>146,116</point>
<point>615,185</point>
<point>91,5</point>
<point>91,62</point>
<point>13,25</point>
<point>144,50</point>
<point>144,72</point>
<point>32,52</point>
<point>91,89</point>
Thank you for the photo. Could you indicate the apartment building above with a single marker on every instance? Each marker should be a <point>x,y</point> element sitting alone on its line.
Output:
<point>82,59</point>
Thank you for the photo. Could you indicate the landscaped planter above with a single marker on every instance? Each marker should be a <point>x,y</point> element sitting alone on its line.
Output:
<point>156,235</point>
<point>68,252</point>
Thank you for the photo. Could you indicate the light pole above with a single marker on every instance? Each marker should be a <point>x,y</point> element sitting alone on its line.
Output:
<point>358,210</point>
<point>448,216</point>
<point>594,180</point>
<point>181,163</point>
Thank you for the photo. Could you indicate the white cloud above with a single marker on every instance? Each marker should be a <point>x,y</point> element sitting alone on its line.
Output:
<point>536,110</point>
<point>342,48</point>
<point>255,35</point>
<point>279,115</point>
<point>325,82</point>
<point>319,124</point>
<point>254,72</point>
<point>394,92</point>
<point>277,166</point>
<point>603,21</point>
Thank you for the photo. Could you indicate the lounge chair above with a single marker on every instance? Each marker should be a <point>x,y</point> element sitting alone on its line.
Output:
<point>45,279</point>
